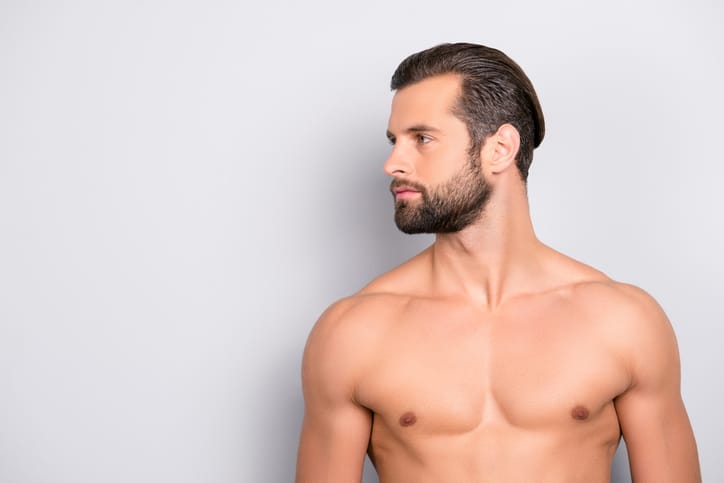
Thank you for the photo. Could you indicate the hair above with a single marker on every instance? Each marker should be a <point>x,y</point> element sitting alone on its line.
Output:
<point>495,91</point>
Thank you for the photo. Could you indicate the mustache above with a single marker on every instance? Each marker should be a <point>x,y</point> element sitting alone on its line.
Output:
<point>398,183</point>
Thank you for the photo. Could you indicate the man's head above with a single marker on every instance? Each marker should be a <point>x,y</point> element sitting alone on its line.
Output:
<point>450,99</point>
<point>494,91</point>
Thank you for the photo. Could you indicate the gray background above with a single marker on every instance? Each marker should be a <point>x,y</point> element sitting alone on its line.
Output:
<point>184,187</point>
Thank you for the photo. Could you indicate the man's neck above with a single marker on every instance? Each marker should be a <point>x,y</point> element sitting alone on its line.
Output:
<point>491,260</point>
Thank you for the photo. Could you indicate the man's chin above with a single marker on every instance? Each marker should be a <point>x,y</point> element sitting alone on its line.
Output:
<point>411,230</point>
<point>412,227</point>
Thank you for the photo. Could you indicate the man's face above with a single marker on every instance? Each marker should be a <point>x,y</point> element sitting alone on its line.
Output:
<point>438,185</point>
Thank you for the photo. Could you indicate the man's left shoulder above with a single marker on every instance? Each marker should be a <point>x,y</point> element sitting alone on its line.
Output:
<point>618,298</point>
<point>628,310</point>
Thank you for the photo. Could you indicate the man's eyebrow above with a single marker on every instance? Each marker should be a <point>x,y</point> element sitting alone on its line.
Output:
<point>415,129</point>
<point>421,128</point>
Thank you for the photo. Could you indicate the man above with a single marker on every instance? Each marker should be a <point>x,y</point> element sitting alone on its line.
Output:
<point>488,357</point>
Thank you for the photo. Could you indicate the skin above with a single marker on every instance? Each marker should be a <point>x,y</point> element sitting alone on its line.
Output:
<point>489,357</point>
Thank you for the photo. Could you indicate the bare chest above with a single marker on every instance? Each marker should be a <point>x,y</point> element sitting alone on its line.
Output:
<point>441,371</point>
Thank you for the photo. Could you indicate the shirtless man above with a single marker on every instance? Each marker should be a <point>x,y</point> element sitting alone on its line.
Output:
<point>489,357</point>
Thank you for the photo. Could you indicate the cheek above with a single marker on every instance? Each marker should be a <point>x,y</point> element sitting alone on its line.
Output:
<point>440,166</point>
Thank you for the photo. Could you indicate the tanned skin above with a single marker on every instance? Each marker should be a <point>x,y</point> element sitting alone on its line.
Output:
<point>489,357</point>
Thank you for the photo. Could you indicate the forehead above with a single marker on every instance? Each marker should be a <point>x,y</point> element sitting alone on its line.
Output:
<point>429,101</point>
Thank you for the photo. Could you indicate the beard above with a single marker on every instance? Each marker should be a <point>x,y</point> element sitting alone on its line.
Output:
<point>447,208</point>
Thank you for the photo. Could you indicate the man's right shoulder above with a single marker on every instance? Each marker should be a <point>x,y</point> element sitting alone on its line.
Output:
<point>360,321</point>
<point>362,312</point>
<point>344,340</point>
<point>376,302</point>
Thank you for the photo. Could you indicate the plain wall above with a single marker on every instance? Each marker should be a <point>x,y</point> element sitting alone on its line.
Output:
<point>185,186</point>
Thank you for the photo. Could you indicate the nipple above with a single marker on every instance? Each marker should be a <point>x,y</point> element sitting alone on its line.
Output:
<point>579,413</point>
<point>408,419</point>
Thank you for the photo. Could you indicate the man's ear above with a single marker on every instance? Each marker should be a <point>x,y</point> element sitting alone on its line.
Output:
<point>501,149</point>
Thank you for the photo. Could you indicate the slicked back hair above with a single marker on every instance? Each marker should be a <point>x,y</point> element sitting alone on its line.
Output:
<point>494,91</point>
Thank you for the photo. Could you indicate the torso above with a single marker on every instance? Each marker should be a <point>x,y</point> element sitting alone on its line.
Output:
<point>520,394</point>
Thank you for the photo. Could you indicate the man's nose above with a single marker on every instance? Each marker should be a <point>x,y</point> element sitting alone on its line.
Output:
<point>397,163</point>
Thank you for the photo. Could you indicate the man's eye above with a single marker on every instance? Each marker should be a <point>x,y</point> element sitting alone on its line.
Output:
<point>391,141</point>
<point>422,139</point>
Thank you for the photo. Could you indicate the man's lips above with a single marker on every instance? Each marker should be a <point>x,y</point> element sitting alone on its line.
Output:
<point>404,189</point>
<point>402,192</point>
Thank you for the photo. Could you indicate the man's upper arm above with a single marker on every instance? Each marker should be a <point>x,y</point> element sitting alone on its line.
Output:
<point>653,419</point>
<point>336,430</point>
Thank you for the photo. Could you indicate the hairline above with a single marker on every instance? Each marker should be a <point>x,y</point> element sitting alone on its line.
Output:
<point>457,108</point>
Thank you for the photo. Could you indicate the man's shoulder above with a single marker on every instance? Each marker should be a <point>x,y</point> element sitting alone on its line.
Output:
<point>361,308</point>
<point>403,282</point>
<point>629,314</point>
<point>344,338</point>
<point>628,322</point>
<point>370,310</point>
<point>622,308</point>
<point>614,297</point>
<point>358,315</point>
<point>589,286</point>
